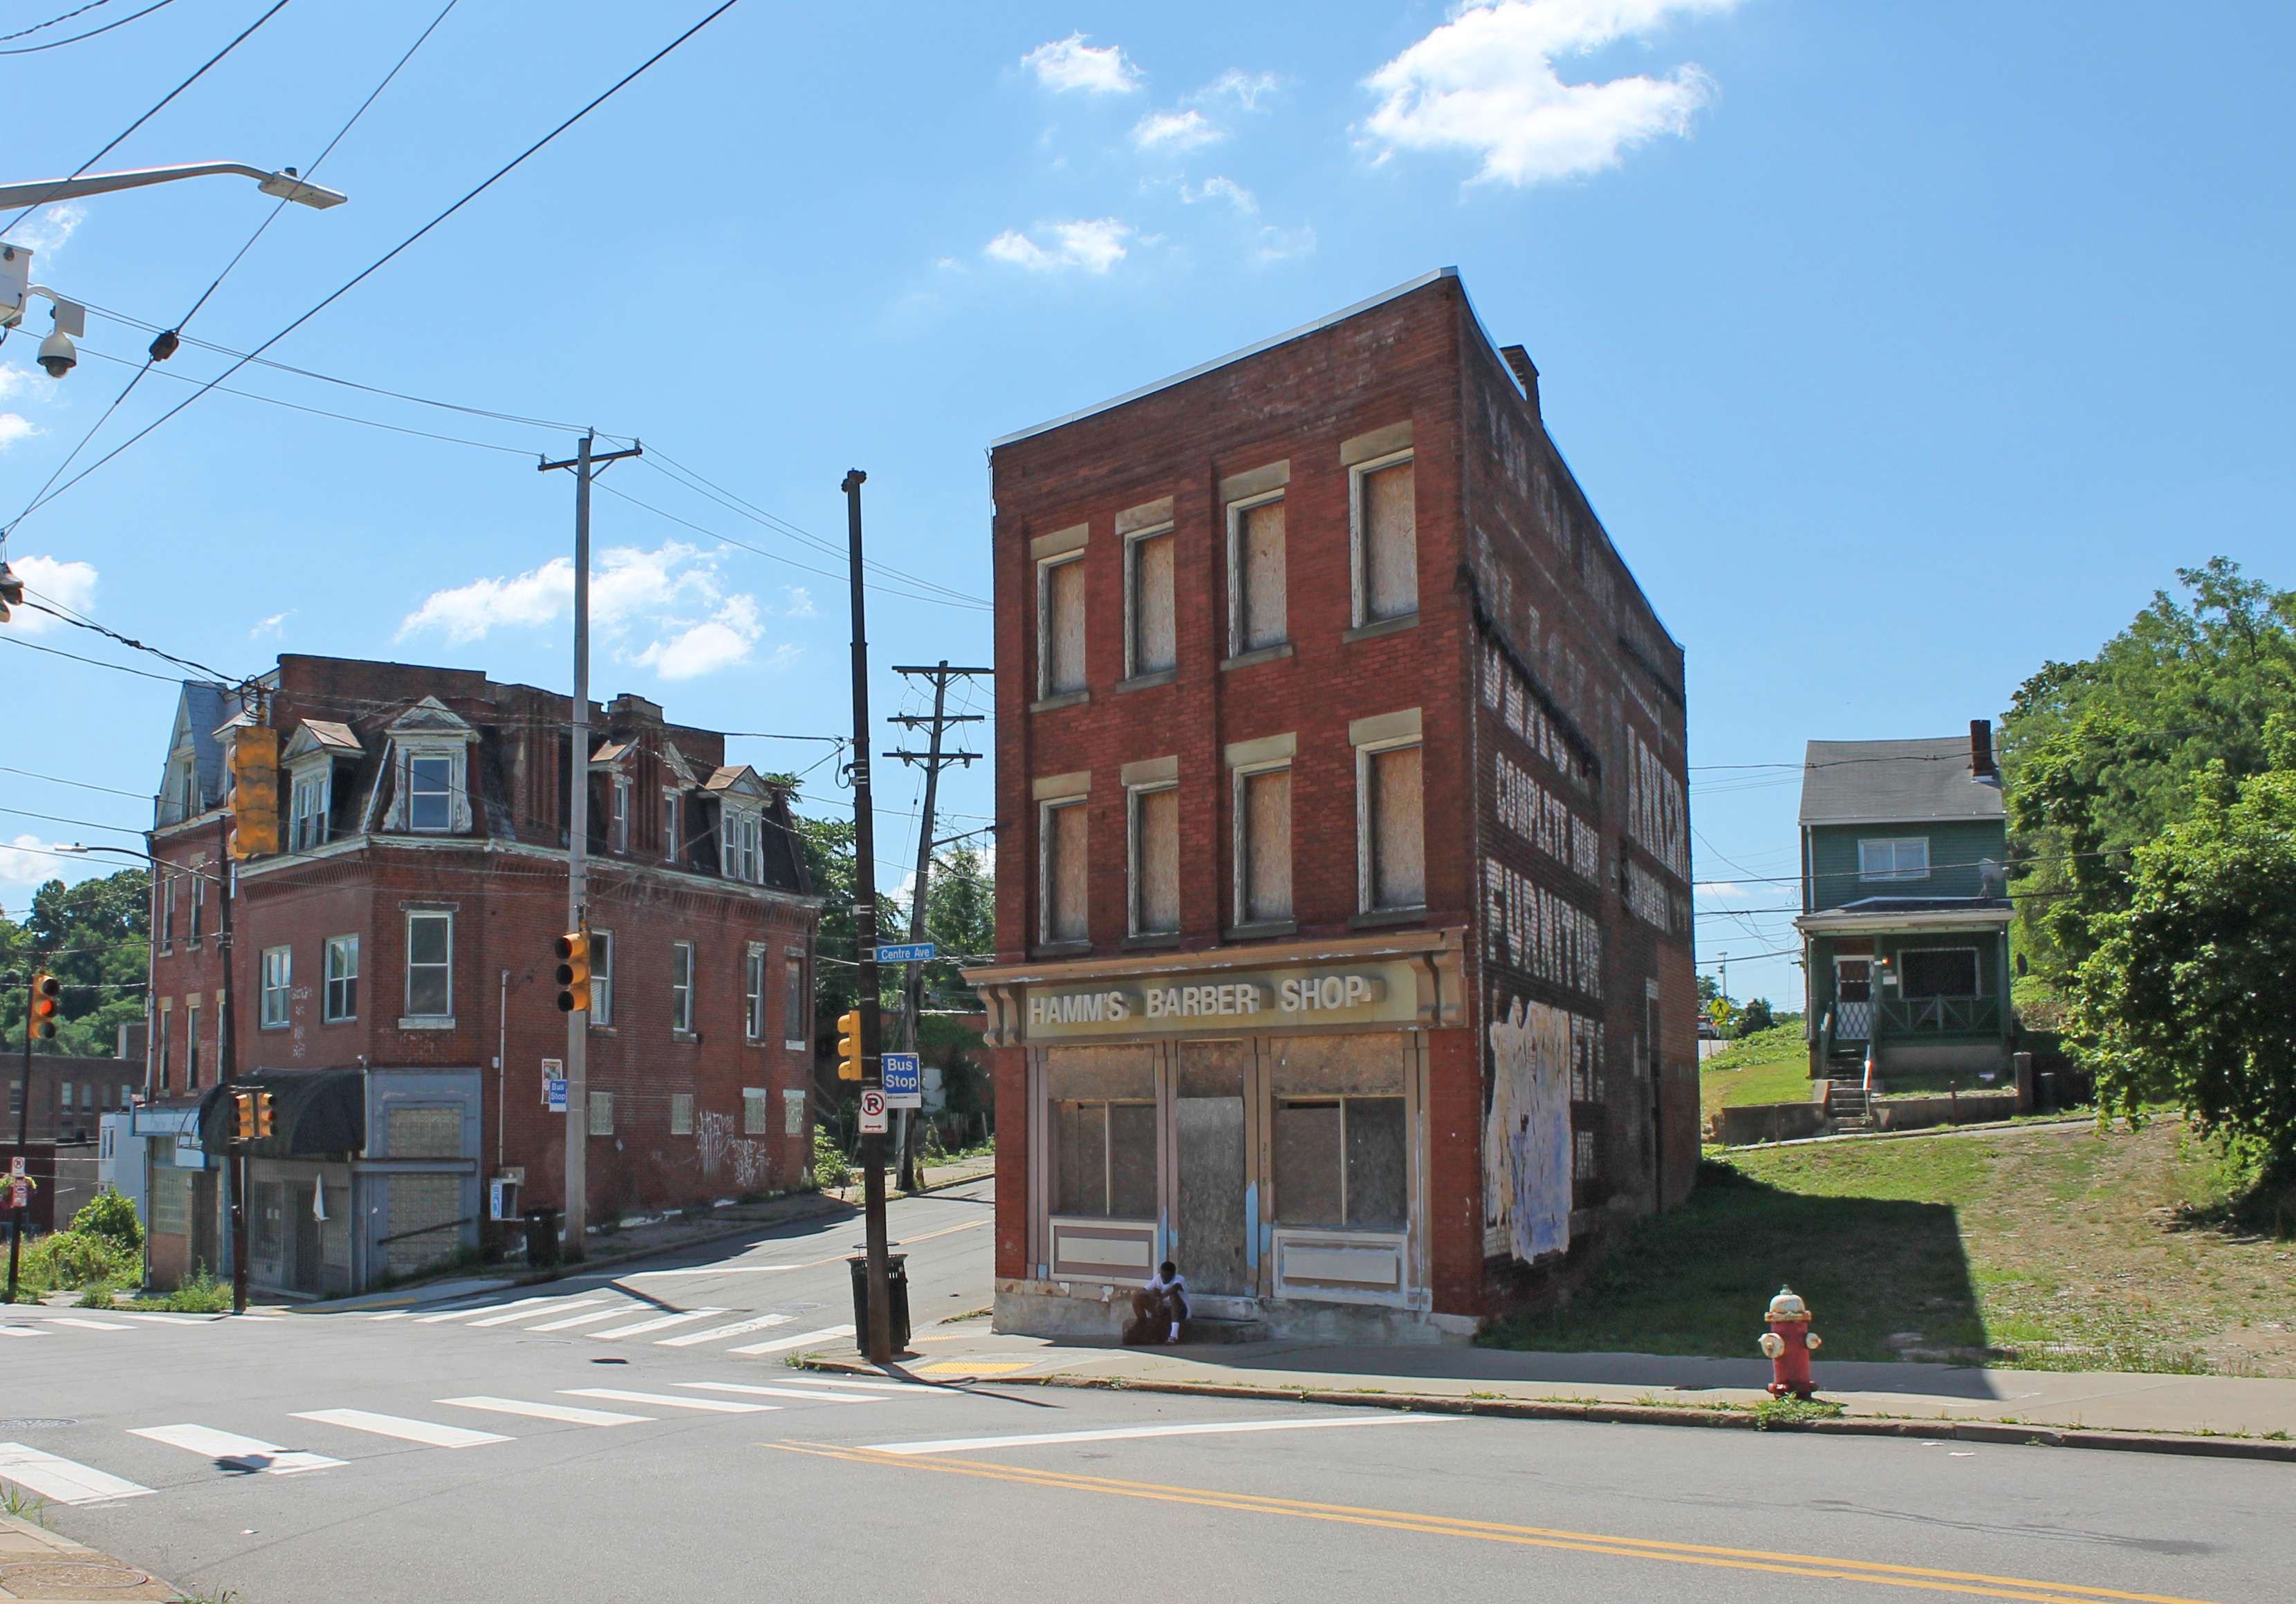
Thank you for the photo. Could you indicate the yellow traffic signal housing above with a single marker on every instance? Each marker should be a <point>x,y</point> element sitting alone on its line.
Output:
<point>243,1116</point>
<point>266,1116</point>
<point>848,1046</point>
<point>254,791</point>
<point>574,972</point>
<point>45,1006</point>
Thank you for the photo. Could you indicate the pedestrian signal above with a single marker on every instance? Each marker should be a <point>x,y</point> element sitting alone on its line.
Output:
<point>848,1046</point>
<point>45,1007</point>
<point>254,791</point>
<point>574,972</point>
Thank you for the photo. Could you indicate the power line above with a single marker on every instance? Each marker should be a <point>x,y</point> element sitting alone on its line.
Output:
<point>81,621</point>
<point>76,38</point>
<point>82,784</point>
<point>165,679</point>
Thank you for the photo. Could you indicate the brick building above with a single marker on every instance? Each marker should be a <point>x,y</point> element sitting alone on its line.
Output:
<point>392,978</point>
<point>1350,964</point>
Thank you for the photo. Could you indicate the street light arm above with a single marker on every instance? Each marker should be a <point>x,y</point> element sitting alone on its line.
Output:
<point>285,185</point>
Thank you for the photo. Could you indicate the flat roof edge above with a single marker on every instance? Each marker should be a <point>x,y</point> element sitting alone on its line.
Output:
<point>1325,321</point>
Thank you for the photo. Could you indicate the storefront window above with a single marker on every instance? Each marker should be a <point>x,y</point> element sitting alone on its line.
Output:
<point>1339,1162</point>
<point>1105,1158</point>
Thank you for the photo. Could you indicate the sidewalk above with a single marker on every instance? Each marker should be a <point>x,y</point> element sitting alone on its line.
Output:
<point>35,1563</point>
<point>1703,1391</point>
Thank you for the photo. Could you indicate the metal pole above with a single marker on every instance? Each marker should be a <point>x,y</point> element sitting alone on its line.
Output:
<point>865,941</point>
<point>23,1134</point>
<point>577,875</point>
<point>912,990</point>
<point>227,1061</point>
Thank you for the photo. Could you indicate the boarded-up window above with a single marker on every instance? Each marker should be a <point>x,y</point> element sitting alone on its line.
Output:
<point>1264,845</point>
<point>1061,606</point>
<point>1104,1158</point>
<point>602,1113</point>
<point>1156,861</point>
<point>757,1112</point>
<point>1259,577</point>
<point>432,1133</point>
<point>1065,873</point>
<point>1340,1162</point>
<point>425,1218</point>
<point>1395,847</point>
<point>1389,544</point>
<point>1152,647</point>
<point>681,1113</point>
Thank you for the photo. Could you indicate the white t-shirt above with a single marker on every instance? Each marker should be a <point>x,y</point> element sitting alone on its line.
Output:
<point>1157,1283</point>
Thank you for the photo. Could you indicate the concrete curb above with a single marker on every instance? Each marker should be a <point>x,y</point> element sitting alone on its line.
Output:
<point>54,1567</point>
<point>1640,1414</point>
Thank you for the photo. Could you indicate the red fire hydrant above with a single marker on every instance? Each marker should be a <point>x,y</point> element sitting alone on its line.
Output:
<point>1788,1345</point>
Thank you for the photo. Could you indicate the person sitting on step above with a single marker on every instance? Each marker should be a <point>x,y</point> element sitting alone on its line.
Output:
<point>1159,1307</point>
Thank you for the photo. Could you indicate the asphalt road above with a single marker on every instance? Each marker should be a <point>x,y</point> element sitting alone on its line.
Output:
<point>311,1460</point>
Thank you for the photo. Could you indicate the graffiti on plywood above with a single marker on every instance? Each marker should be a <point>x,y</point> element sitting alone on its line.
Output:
<point>1527,1135</point>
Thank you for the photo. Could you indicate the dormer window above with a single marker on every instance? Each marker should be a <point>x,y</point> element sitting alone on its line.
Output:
<point>307,812</point>
<point>744,847</point>
<point>430,770</point>
<point>618,838</point>
<point>431,793</point>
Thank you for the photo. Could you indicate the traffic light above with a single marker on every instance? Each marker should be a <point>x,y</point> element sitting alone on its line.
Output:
<point>848,1046</point>
<point>265,1114</point>
<point>44,1007</point>
<point>254,791</point>
<point>243,1116</point>
<point>12,591</point>
<point>574,972</point>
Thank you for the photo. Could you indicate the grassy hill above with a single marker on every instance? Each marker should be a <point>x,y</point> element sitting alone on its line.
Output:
<point>1770,1066</point>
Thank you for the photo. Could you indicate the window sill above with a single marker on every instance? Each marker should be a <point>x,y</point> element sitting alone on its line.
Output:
<point>1262,930</point>
<point>690,1037</point>
<point>1143,682</point>
<point>604,1030</point>
<point>795,1046</point>
<point>1265,654</point>
<point>1066,698</point>
<point>409,1022</point>
<point>1060,949</point>
<point>1378,917</point>
<point>1381,627</point>
<point>1153,938</point>
<point>346,1020</point>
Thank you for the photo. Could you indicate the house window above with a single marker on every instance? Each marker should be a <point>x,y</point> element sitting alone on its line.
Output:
<point>191,1044</point>
<point>278,973</point>
<point>1156,861</point>
<point>681,1113</point>
<point>673,848</point>
<point>1150,644</point>
<point>1906,858</point>
<point>199,899</point>
<point>1387,542</point>
<point>167,879</point>
<point>308,811</point>
<point>1059,626</point>
<point>64,1097</point>
<point>1263,845</point>
<point>430,965</point>
<point>1394,849</point>
<point>742,854</point>
<point>1061,893</point>
<point>342,978</point>
<point>1582,1156</point>
<point>602,1113</point>
<point>1105,1159</point>
<point>601,977</point>
<point>431,793</point>
<point>617,838</point>
<point>795,1028</point>
<point>753,993</point>
<point>166,1045</point>
<point>1938,972</point>
<point>757,1112</point>
<point>681,985</point>
<point>1339,1162</point>
<point>1255,559</point>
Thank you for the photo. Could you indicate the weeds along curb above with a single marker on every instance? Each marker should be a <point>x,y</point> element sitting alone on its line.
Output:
<point>1643,1414</point>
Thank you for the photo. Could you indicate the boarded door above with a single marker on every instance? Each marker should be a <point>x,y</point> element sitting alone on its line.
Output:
<point>1209,1128</point>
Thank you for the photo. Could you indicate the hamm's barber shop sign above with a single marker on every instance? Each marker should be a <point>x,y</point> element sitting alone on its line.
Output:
<point>1253,1001</point>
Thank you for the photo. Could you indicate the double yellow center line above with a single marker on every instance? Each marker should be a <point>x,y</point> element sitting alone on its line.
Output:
<point>1967,1582</point>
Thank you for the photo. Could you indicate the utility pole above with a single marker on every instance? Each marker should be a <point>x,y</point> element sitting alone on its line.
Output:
<point>934,760</point>
<point>865,943</point>
<point>227,1059</point>
<point>586,462</point>
<point>23,1131</point>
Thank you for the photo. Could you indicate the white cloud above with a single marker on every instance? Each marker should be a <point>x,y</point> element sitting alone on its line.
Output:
<point>715,642</point>
<point>1247,89</point>
<point>801,601</point>
<point>1486,82</point>
<point>13,427</point>
<point>270,625</point>
<point>1722,891</point>
<point>50,227</point>
<point>1222,189</point>
<point>68,584</point>
<point>1095,246</point>
<point>24,862</point>
<point>468,611</point>
<point>1070,64</point>
<point>1176,131</point>
<point>1274,244</point>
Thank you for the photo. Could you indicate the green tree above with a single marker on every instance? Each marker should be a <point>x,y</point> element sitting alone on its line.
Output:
<point>96,938</point>
<point>1755,1016</point>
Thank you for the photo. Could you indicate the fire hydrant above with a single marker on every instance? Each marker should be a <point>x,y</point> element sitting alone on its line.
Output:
<point>1788,1345</point>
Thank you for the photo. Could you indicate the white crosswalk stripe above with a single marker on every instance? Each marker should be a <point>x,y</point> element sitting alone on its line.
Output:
<point>714,1405</point>
<point>748,1391</point>
<point>22,1330</point>
<point>783,1343</point>
<point>153,1318</point>
<point>238,1452</point>
<point>552,1305</point>
<point>547,1412</point>
<point>914,1389</point>
<point>616,1313</point>
<point>399,1426</point>
<point>739,1329</point>
<point>60,1480</point>
<point>658,1323</point>
<point>91,1325</point>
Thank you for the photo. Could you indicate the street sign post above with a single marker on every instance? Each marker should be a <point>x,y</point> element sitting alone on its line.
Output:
<point>907,952</point>
<point>873,1112</point>
<point>904,1081</point>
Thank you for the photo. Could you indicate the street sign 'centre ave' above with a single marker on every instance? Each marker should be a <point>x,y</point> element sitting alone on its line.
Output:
<point>909,952</point>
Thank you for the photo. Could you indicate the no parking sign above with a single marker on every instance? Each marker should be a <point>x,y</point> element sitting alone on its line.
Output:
<point>873,1112</point>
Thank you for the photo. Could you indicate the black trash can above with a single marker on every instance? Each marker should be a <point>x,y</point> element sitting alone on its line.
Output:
<point>541,1237</point>
<point>897,1299</point>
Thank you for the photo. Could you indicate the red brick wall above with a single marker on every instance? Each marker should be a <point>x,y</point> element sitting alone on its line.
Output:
<point>1008,1067</point>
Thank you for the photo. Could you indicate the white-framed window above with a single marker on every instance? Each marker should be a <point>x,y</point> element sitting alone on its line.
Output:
<point>1263,843</point>
<point>307,813</point>
<point>168,880</point>
<point>191,1044</point>
<point>342,978</point>
<point>430,791</point>
<point>1383,519</point>
<point>1257,613</point>
<point>673,844</point>
<point>1151,631</point>
<point>618,829</point>
<point>278,986</point>
<point>681,1113</point>
<point>1898,858</point>
<point>1391,843</point>
<point>757,1112</point>
<point>601,977</point>
<point>602,1113</point>
<point>199,896</point>
<point>1060,625</point>
<point>797,1012</point>
<point>753,993</point>
<point>681,985</point>
<point>742,850</point>
<point>1155,860</point>
<point>1063,875</point>
<point>429,964</point>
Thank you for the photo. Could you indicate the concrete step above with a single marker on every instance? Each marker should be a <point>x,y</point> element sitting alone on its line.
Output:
<point>1203,1328</point>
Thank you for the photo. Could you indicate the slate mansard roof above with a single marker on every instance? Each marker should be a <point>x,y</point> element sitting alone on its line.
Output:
<point>1894,782</point>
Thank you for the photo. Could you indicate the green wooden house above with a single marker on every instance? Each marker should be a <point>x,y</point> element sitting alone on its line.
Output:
<point>1905,918</point>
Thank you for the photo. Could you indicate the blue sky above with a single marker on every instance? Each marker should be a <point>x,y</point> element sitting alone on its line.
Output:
<point>1901,345</point>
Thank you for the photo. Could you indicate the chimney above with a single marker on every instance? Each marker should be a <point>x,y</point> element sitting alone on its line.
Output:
<point>1525,373</point>
<point>1981,750</point>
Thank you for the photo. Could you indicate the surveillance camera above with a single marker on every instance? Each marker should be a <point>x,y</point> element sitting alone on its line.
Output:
<point>58,355</point>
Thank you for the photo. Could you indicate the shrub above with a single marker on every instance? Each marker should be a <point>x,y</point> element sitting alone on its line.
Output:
<point>830,1168</point>
<point>202,1294</point>
<point>78,1258</point>
<point>109,1213</point>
